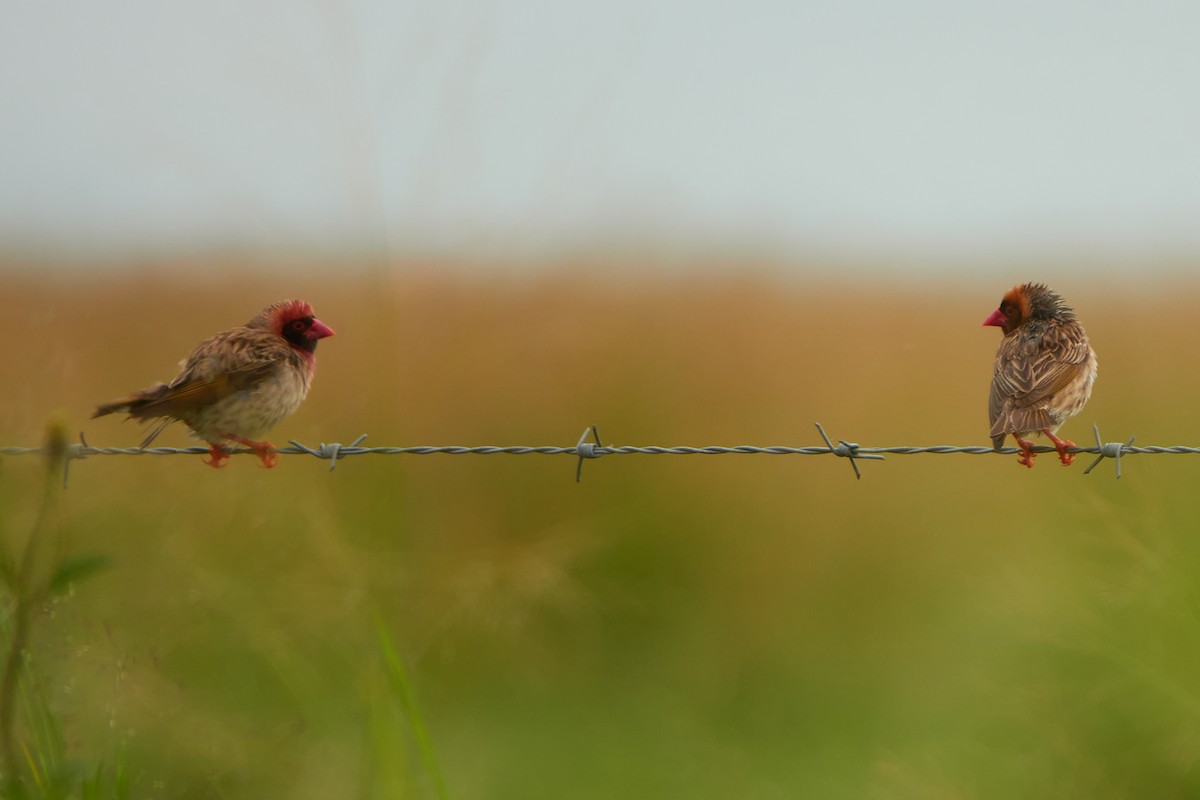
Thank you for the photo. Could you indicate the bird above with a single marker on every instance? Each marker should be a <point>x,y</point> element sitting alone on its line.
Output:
<point>237,384</point>
<point>1044,369</point>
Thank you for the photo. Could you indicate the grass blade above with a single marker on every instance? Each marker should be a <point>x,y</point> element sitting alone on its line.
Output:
<point>397,677</point>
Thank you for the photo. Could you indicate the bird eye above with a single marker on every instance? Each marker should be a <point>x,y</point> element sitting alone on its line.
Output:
<point>298,325</point>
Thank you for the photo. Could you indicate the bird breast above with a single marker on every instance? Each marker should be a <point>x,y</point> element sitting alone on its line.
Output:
<point>250,413</point>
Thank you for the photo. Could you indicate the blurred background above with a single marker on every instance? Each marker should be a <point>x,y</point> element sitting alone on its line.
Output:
<point>688,223</point>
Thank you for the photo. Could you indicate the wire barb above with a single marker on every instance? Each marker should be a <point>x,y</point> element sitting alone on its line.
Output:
<point>330,451</point>
<point>848,450</point>
<point>1111,450</point>
<point>585,449</point>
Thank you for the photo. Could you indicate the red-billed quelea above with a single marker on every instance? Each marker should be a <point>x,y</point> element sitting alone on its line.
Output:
<point>1044,369</point>
<point>237,384</point>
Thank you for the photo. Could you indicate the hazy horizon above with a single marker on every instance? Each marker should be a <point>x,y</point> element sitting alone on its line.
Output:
<point>928,132</point>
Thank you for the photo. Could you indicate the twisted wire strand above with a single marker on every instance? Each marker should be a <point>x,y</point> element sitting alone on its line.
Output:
<point>82,451</point>
<point>858,451</point>
<point>584,449</point>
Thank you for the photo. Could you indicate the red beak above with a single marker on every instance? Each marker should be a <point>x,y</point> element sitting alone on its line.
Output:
<point>319,330</point>
<point>996,319</point>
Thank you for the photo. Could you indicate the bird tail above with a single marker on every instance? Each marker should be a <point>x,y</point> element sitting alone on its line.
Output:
<point>1018,421</point>
<point>139,405</point>
<point>133,403</point>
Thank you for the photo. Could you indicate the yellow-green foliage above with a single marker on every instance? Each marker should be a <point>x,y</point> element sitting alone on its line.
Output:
<point>950,626</point>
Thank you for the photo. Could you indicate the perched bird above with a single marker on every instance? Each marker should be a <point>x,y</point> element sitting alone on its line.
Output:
<point>1044,369</point>
<point>237,384</point>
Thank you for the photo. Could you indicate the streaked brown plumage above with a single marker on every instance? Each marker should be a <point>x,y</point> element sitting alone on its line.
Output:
<point>237,384</point>
<point>1044,369</point>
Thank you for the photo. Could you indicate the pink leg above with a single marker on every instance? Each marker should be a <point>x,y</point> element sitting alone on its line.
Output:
<point>1061,446</point>
<point>217,457</point>
<point>264,450</point>
<point>1027,454</point>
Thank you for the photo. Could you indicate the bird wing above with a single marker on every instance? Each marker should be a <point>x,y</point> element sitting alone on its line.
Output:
<point>231,361</point>
<point>1031,369</point>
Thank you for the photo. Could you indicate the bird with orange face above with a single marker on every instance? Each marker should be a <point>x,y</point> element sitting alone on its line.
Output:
<point>1044,369</point>
<point>238,384</point>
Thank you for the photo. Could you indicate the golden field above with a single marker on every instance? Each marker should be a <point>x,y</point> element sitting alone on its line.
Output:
<point>950,626</point>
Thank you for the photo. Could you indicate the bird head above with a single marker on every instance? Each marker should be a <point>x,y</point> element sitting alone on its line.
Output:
<point>294,321</point>
<point>1029,301</point>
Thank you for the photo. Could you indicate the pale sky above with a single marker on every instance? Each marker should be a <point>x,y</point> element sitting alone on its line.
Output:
<point>929,126</point>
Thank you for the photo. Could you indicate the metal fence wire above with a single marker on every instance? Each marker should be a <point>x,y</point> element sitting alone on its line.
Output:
<point>585,449</point>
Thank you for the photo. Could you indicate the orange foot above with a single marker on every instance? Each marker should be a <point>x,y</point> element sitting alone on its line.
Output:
<point>1027,454</point>
<point>264,450</point>
<point>217,457</point>
<point>1061,446</point>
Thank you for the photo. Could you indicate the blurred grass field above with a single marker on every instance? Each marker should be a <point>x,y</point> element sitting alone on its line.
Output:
<point>703,627</point>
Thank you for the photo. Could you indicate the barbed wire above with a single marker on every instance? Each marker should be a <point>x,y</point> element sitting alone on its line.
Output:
<point>584,449</point>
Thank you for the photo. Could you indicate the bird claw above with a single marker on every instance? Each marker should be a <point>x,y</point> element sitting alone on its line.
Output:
<point>264,450</point>
<point>218,458</point>
<point>1027,454</point>
<point>1066,458</point>
<point>1061,446</point>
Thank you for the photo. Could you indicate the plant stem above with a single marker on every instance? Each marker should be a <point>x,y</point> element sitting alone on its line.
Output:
<point>24,597</point>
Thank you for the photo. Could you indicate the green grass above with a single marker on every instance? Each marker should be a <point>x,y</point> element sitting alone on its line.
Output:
<point>35,573</point>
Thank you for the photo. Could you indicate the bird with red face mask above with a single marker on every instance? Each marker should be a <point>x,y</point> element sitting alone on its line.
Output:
<point>1044,369</point>
<point>238,384</point>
